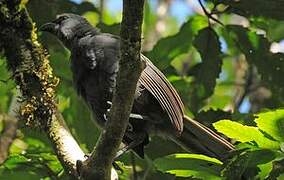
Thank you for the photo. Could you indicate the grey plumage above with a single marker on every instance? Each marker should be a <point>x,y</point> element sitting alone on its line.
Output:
<point>157,107</point>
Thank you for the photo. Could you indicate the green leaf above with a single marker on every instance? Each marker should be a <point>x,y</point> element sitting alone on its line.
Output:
<point>246,162</point>
<point>262,156</point>
<point>20,174</point>
<point>257,51</point>
<point>273,28</point>
<point>212,115</point>
<point>271,8</point>
<point>36,144</point>
<point>166,49</point>
<point>15,161</point>
<point>277,169</point>
<point>272,123</point>
<point>244,133</point>
<point>264,170</point>
<point>64,103</point>
<point>208,45</point>
<point>92,17</point>
<point>190,165</point>
<point>52,162</point>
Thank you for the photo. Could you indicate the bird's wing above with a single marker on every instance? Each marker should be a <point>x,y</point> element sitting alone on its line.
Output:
<point>158,85</point>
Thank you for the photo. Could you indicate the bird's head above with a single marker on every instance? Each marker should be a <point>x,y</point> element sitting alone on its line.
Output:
<point>67,27</point>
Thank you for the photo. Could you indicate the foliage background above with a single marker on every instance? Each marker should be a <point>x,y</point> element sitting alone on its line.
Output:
<point>232,71</point>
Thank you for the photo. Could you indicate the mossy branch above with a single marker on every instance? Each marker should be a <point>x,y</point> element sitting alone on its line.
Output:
<point>29,64</point>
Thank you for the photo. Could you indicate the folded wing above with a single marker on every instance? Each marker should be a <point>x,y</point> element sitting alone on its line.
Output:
<point>158,85</point>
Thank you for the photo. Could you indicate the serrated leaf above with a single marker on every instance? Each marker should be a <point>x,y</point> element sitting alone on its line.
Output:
<point>166,49</point>
<point>190,165</point>
<point>212,115</point>
<point>271,8</point>
<point>272,123</point>
<point>208,45</point>
<point>244,133</point>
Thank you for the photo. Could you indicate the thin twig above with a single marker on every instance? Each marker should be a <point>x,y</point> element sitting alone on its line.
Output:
<point>247,86</point>
<point>132,157</point>
<point>101,12</point>
<point>209,15</point>
<point>11,125</point>
<point>7,137</point>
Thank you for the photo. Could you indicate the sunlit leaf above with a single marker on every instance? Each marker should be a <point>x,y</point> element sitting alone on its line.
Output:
<point>15,161</point>
<point>244,133</point>
<point>52,162</point>
<point>272,123</point>
<point>189,165</point>
<point>264,170</point>
<point>92,17</point>
<point>64,103</point>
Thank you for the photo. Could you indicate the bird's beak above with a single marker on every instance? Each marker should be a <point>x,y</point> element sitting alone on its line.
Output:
<point>49,27</point>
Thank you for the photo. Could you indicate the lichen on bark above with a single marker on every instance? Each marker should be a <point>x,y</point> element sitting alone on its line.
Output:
<point>28,62</point>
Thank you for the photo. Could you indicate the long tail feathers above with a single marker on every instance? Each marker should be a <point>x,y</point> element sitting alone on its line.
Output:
<point>198,138</point>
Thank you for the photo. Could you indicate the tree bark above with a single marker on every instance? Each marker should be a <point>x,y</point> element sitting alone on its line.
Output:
<point>99,164</point>
<point>29,64</point>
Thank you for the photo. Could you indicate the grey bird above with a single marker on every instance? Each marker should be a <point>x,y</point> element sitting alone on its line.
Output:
<point>157,110</point>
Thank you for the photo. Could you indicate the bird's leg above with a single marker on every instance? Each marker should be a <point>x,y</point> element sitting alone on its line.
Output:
<point>152,119</point>
<point>132,115</point>
<point>139,117</point>
<point>137,139</point>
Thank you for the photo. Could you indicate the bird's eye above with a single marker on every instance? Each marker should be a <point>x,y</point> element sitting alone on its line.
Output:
<point>63,18</point>
<point>60,19</point>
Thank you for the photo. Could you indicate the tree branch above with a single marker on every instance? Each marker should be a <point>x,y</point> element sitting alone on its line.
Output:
<point>10,131</point>
<point>7,137</point>
<point>29,64</point>
<point>99,164</point>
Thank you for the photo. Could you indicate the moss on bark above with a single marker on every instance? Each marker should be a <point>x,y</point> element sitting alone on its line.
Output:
<point>28,62</point>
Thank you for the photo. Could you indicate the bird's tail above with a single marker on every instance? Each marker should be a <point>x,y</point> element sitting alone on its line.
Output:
<point>198,138</point>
